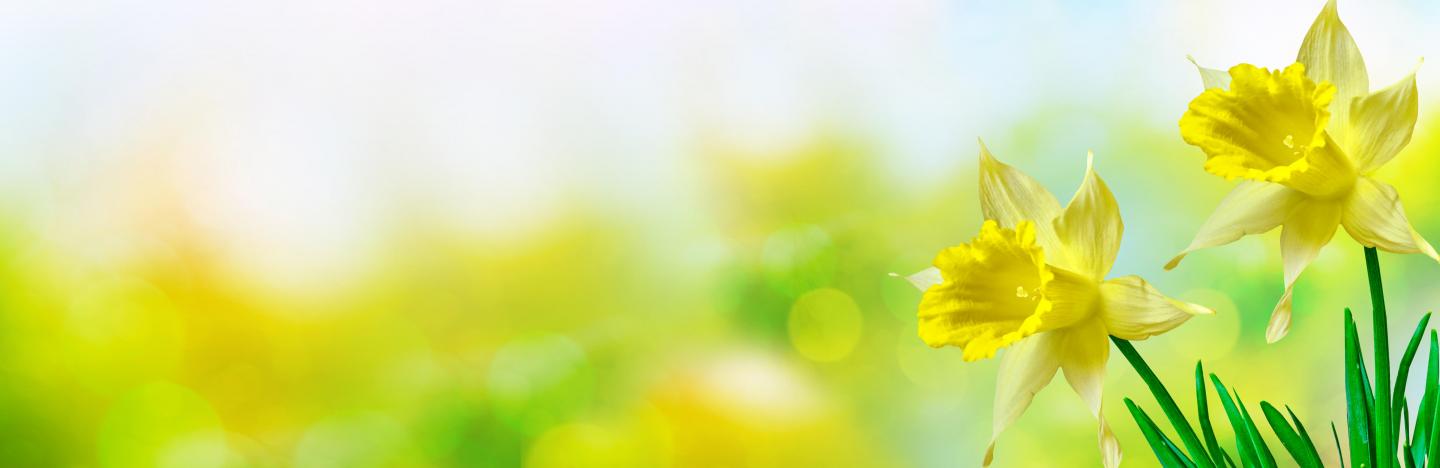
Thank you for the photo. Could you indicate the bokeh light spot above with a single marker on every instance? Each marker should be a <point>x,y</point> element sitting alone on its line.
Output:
<point>825,325</point>
<point>937,371</point>
<point>122,331</point>
<point>354,440</point>
<point>1207,337</point>
<point>536,381</point>
<point>162,425</point>
<point>798,259</point>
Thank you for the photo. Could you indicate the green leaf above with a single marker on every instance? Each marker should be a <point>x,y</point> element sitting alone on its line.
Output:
<point>1165,450</point>
<point>1339,454</point>
<point>1262,450</point>
<point>1385,440</point>
<point>1243,443</point>
<point>1299,446</point>
<point>1432,390</point>
<point>1202,403</point>
<point>1167,404</point>
<point>1423,431</point>
<point>1403,373</point>
<point>1357,405</point>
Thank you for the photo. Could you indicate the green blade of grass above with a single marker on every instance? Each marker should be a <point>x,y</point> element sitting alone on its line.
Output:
<point>1432,453</point>
<point>1165,451</point>
<point>1357,408</point>
<point>1167,404</point>
<point>1384,438</point>
<point>1402,374</point>
<point>1339,453</point>
<point>1423,433</point>
<point>1262,450</point>
<point>1243,443</point>
<point>1169,444</point>
<point>1300,447</point>
<point>1202,404</point>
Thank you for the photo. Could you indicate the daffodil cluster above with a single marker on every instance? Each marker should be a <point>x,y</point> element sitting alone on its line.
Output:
<point>1305,140</point>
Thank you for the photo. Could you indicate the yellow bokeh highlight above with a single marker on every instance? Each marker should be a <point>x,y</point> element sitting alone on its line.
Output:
<point>825,324</point>
<point>162,425</point>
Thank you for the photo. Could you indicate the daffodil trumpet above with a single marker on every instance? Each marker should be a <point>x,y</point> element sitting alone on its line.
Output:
<point>1033,282</point>
<point>1306,141</point>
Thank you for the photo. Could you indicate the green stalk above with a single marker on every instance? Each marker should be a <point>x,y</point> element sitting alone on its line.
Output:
<point>1384,441</point>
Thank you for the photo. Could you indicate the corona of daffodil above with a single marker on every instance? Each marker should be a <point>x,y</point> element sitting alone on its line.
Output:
<point>1305,140</point>
<point>1033,280</point>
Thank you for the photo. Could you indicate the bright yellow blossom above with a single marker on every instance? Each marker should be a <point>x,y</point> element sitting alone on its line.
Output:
<point>1306,139</point>
<point>1033,280</point>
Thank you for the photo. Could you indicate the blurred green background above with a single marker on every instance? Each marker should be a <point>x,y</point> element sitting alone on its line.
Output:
<point>627,233</point>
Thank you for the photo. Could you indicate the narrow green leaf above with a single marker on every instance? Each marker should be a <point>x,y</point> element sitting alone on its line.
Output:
<point>1423,431</point>
<point>1432,453</point>
<point>1262,450</point>
<point>1385,441</point>
<point>1403,373</point>
<point>1339,453</point>
<point>1243,443</point>
<point>1167,404</point>
<point>1165,451</point>
<point>1357,406</point>
<point>1176,450</point>
<point>1202,403</point>
<point>1304,435</point>
<point>1300,447</point>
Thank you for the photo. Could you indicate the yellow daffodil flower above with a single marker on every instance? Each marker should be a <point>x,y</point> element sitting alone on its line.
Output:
<point>1306,140</point>
<point>1034,280</point>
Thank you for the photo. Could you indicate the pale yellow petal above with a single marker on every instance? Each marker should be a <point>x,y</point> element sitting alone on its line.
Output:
<point>1090,228</point>
<point>1252,207</point>
<point>924,279</point>
<point>1211,77</point>
<point>1330,54</point>
<point>1270,126</point>
<point>1132,309</point>
<point>1374,218</point>
<point>1011,197</point>
<point>1084,352</point>
<point>1307,230</point>
<point>1381,124</point>
<point>1026,367</point>
<point>996,290</point>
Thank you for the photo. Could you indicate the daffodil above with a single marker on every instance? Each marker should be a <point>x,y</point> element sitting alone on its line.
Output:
<point>1306,140</point>
<point>1033,280</point>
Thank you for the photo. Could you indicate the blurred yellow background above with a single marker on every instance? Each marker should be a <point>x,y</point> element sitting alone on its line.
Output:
<point>628,233</point>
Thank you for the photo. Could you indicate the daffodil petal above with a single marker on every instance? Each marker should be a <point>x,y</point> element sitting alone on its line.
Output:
<point>1381,123</point>
<point>1374,217</point>
<point>1252,207</point>
<point>1270,126</point>
<point>1210,77</point>
<point>926,278</point>
<point>1084,353</point>
<point>1307,230</point>
<point>1132,309</point>
<point>1330,54</point>
<point>997,289</point>
<point>1090,228</point>
<point>1011,197</point>
<point>1026,367</point>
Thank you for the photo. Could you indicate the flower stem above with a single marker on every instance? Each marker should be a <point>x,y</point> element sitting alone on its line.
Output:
<point>1384,441</point>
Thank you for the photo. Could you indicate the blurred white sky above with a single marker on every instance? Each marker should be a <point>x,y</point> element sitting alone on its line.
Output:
<point>293,128</point>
